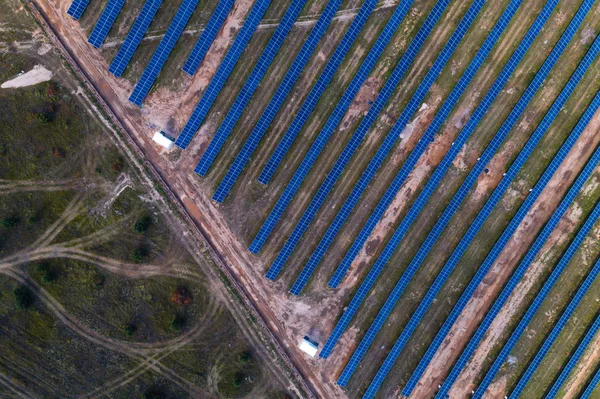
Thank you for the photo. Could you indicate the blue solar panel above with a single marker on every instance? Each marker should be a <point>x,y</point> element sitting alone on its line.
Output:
<point>339,112</point>
<point>142,88</point>
<point>77,8</point>
<point>134,37</point>
<point>225,69</point>
<point>560,325</point>
<point>207,37</point>
<point>591,386</point>
<point>440,171</point>
<point>573,360</point>
<point>250,86</point>
<point>317,90</point>
<point>106,21</point>
<point>307,107</point>
<point>487,210</point>
<point>540,240</point>
<point>449,104</point>
<point>276,102</point>
<point>432,183</point>
<point>477,223</point>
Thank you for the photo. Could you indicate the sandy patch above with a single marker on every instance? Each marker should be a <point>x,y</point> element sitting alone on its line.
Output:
<point>37,75</point>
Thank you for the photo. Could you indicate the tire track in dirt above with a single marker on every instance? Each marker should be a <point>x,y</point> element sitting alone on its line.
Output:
<point>71,212</point>
<point>135,350</point>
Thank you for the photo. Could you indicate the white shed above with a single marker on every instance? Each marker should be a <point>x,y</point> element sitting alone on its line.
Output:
<point>308,347</point>
<point>162,140</point>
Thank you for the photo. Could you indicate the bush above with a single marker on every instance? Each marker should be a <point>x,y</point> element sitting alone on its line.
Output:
<point>177,323</point>
<point>154,393</point>
<point>23,297</point>
<point>238,379</point>
<point>245,357</point>
<point>130,329</point>
<point>139,254</point>
<point>143,224</point>
<point>11,222</point>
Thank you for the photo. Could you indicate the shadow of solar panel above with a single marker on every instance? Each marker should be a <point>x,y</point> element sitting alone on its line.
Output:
<point>225,69</point>
<point>540,240</point>
<point>207,37</point>
<point>106,21</point>
<point>256,76</point>
<point>277,100</point>
<point>142,88</point>
<point>134,37</point>
<point>317,90</point>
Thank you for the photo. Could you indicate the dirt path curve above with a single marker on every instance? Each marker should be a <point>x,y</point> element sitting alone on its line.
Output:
<point>137,351</point>
<point>131,270</point>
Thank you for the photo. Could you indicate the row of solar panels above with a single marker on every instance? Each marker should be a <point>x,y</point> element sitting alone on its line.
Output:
<point>139,29</point>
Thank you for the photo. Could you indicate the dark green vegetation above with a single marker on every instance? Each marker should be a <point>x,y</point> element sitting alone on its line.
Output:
<point>99,297</point>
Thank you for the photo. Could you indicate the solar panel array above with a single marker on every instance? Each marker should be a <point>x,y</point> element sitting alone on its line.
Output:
<point>564,318</point>
<point>335,118</point>
<point>225,69</point>
<point>470,72</point>
<point>540,240</point>
<point>486,211</point>
<point>208,36</point>
<point>301,117</point>
<point>432,183</point>
<point>77,8</point>
<point>573,359</point>
<point>276,101</point>
<point>448,105</point>
<point>317,90</point>
<point>250,86</point>
<point>134,37</point>
<point>142,88</point>
<point>106,21</point>
<point>466,240</point>
<point>591,386</point>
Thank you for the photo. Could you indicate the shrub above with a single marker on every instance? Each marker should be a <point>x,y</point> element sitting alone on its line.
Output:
<point>139,254</point>
<point>181,296</point>
<point>177,323</point>
<point>245,357</point>
<point>11,222</point>
<point>23,297</point>
<point>143,224</point>
<point>130,329</point>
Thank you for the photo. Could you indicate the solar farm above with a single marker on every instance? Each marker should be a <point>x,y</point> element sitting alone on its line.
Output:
<point>412,185</point>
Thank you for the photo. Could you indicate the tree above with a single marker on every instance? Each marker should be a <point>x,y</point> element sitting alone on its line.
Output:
<point>23,297</point>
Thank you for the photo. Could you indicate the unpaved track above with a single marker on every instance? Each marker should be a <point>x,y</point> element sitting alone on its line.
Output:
<point>132,350</point>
